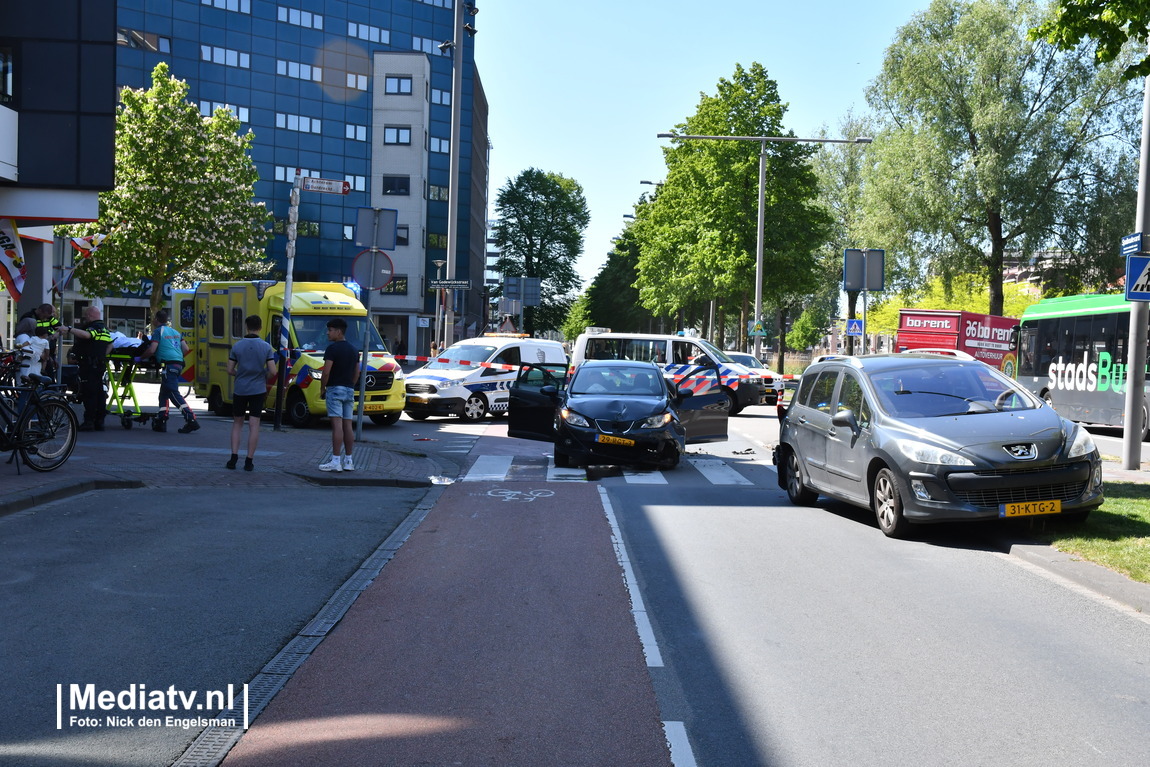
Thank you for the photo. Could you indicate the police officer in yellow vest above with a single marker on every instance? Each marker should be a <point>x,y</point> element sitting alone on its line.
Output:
<point>92,344</point>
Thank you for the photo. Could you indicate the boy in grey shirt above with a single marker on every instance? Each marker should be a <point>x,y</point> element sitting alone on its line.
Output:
<point>252,361</point>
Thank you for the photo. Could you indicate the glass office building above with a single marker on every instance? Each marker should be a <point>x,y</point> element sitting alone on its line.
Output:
<point>350,90</point>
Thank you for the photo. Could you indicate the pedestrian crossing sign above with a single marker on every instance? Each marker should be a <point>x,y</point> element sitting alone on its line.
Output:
<point>854,327</point>
<point>756,328</point>
<point>1138,278</point>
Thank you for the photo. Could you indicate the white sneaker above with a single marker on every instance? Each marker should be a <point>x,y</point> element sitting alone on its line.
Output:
<point>333,465</point>
<point>347,464</point>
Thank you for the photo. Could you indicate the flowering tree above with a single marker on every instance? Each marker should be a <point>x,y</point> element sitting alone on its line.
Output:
<point>183,208</point>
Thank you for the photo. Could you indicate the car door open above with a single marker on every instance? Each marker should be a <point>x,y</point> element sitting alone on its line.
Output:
<point>534,396</point>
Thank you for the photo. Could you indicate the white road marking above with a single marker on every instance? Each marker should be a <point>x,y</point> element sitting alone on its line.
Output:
<point>681,753</point>
<point>638,609</point>
<point>489,468</point>
<point>637,477</point>
<point>557,474</point>
<point>718,472</point>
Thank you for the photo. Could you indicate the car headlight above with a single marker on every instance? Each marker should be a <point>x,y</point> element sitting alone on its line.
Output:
<point>573,418</point>
<point>756,380</point>
<point>657,421</point>
<point>1082,444</point>
<point>927,453</point>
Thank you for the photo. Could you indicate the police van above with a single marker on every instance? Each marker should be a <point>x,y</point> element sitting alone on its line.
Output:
<point>471,378</point>
<point>679,356</point>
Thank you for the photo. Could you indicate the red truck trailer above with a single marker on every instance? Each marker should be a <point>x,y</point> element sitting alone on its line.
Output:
<point>986,337</point>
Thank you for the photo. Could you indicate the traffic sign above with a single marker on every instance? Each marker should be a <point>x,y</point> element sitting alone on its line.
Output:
<point>855,328</point>
<point>756,328</point>
<point>372,269</point>
<point>1138,278</point>
<point>325,185</point>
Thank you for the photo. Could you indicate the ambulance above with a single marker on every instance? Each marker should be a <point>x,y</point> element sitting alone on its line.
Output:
<point>212,319</point>
<point>471,378</point>
<point>679,355</point>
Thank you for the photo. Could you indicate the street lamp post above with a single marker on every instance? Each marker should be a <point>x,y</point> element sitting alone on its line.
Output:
<point>439,262</point>
<point>763,140</point>
<point>453,154</point>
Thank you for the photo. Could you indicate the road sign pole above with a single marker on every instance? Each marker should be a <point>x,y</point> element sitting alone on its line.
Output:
<point>364,355</point>
<point>1139,313</point>
<point>284,341</point>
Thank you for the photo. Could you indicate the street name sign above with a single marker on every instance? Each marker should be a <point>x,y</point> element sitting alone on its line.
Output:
<point>449,284</point>
<point>325,185</point>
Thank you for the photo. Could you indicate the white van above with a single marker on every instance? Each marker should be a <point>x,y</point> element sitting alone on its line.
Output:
<point>470,378</point>
<point>679,356</point>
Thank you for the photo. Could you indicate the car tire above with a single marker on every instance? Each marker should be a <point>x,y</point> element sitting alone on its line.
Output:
<point>799,493</point>
<point>732,402</point>
<point>416,416</point>
<point>670,459</point>
<point>562,460</point>
<point>298,413</point>
<point>887,504</point>
<point>474,409</point>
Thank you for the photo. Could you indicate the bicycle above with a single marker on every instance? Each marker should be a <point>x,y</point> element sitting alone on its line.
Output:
<point>40,427</point>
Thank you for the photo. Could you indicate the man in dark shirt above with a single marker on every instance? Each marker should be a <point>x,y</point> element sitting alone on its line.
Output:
<point>336,386</point>
<point>92,344</point>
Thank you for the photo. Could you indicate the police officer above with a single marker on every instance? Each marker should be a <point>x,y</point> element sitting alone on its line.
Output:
<point>92,344</point>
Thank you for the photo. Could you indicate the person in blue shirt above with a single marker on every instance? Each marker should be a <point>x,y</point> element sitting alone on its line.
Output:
<point>169,347</point>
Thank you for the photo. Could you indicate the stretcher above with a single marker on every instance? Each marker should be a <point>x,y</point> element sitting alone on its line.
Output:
<point>123,365</point>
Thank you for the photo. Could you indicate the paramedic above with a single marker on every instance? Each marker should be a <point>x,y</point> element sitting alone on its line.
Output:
<point>91,349</point>
<point>169,347</point>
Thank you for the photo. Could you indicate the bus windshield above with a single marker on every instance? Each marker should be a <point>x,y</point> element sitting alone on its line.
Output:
<point>311,333</point>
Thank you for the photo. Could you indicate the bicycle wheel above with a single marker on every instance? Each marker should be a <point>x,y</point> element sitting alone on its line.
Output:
<point>47,435</point>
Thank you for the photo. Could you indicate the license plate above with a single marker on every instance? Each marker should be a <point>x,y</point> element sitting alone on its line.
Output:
<point>1029,508</point>
<point>607,439</point>
<point>370,408</point>
<point>418,400</point>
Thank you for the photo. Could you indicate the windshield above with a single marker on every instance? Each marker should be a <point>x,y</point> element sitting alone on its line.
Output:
<point>311,333</point>
<point>943,390</point>
<point>716,354</point>
<point>746,360</point>
<point>618,382</point>
<point>466,357</point>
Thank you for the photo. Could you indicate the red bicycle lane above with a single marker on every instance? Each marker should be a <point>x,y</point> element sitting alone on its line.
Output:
<point>500,634</point>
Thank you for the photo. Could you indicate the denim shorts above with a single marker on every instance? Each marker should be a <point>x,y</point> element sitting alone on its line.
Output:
<point>340,402</point>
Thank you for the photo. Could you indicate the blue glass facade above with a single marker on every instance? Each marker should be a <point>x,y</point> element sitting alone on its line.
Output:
<point>299,74</point>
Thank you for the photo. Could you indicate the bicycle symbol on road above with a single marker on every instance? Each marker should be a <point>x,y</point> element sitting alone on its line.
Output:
<point>519,495</point>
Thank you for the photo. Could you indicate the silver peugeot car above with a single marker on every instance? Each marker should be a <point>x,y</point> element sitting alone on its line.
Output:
<point>924,438</point>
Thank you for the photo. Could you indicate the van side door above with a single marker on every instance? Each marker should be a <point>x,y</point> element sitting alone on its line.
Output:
<point>531,414</point>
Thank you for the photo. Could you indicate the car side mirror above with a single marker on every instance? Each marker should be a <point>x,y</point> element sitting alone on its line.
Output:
<point>685,393</point>
<point>846,418</point>
<point>550,390</point>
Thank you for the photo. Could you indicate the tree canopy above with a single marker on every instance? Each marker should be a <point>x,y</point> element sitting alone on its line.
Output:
<point>990,141</point>
<point>183,207</point>
<point>541,217</point>
<point>1111,24</point>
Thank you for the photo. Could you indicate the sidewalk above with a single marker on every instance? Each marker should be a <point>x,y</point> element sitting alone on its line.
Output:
<point>141,457</point>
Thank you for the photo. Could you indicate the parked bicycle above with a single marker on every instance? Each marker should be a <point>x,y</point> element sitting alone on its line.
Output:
<point>36,421</point>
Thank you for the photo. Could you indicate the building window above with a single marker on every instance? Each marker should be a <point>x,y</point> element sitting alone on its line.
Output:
<point>397,185</point>
<point>284,173</point>
<point>394,84</point>
<point>395,135</point>
<point>438,193</point>
<point>401,234</point>
<point>301,123</point>
<point>225,56</point>
<point>208,108</point>
<point>239,6</point>
<point>146,41</point>
<point>440,145</point>
<point>358,82</point>
<point>436,240</point>
<point>358,183</point>
<point>440,97</point>
<point>397,286</point>
<point>302,228</point>
<point>355,132</point>
<point>6,63</point>
<point>299,71</point>
<point>427,45</point>
<point>300,18</point>
<point>437,3</point>
<point>368,32</point>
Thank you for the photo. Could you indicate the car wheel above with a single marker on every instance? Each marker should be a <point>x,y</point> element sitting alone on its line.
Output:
<point>474,409</point>
<point>298,414</point>
<point>670,459</point>
<point>799,493</point>
<point>1049,400</point>
<point>385,419</point>
<point>887,504</point>
<point>562,460</point>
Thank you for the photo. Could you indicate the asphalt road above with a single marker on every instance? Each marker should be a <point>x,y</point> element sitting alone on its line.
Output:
<point>196,588</point>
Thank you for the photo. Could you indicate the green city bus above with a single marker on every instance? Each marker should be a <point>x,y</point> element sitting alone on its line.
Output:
<point>1072,352</point>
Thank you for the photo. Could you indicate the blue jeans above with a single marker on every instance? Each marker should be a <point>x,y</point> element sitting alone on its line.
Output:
<point>170,387</point>
<point>340,402</point>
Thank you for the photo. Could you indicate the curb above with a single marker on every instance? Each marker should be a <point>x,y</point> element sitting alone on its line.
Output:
<point>1089,575</point>
<point>21,501</point>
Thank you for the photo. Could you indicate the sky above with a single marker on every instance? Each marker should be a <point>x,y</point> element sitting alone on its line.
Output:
<point>582,88</point>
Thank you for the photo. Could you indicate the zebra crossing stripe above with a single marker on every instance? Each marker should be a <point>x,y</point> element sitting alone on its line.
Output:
<point>718,472</point>
<point>489,468</point>
<point>636,477</point>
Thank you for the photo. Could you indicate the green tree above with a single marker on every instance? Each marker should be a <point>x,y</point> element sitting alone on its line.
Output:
<point>612,298</point>
<point>964,293</point>
<point>578,318</point>
<point>1111,24</point>
<point>986,134</point>
<point>539,232</point>
<point>183,207</point>
<point>699,236</point>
